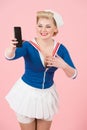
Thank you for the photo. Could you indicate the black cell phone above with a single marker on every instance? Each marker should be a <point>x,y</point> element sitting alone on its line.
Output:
<point>18,35</point>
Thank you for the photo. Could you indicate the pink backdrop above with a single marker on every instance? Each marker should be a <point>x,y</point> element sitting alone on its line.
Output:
<point>73,93</point>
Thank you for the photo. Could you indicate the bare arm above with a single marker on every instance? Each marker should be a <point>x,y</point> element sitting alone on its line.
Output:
<point>10,51</point>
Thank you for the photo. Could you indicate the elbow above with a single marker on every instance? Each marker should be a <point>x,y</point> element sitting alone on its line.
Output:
<point>75,74</point>
<point>9,57</point>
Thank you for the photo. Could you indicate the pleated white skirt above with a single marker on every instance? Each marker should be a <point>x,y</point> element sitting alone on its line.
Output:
<point>33,102</point>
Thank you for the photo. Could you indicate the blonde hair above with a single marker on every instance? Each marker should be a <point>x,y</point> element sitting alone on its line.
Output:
<point>47,15</point>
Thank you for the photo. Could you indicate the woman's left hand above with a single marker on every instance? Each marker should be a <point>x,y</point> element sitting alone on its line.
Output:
<point>56,61</point>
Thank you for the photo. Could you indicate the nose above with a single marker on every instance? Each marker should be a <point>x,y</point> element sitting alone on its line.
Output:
<point>43,29</point>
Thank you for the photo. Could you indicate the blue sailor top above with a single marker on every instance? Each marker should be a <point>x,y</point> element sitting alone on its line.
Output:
<point>36,74</point>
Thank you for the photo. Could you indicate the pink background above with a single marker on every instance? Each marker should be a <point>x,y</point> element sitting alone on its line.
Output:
<point>73,93</point>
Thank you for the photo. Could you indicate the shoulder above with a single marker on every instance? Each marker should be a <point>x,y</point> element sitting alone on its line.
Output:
<point>62,49</point>
<point>26,44</point>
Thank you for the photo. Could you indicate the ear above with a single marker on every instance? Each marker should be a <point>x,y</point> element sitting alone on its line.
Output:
<point>56,30</point>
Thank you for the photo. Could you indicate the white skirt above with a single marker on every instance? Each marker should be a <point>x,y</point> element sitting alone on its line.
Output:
<point>33,102</point>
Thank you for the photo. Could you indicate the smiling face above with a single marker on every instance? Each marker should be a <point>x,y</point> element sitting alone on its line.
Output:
<point>45,28</point>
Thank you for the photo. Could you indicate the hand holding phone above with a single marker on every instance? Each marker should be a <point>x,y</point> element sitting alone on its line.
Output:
<point>18,35</point>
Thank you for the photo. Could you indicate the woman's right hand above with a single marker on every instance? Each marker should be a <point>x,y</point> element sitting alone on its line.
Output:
<point>13,43</point>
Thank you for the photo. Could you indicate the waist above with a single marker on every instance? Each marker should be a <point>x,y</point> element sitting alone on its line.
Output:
<point>23,83</point>
<point>41,80</point>
<point>38,84</point>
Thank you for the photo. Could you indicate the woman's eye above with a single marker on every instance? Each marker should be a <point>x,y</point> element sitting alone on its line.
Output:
<point>48,26</point>
<point>39,25</point>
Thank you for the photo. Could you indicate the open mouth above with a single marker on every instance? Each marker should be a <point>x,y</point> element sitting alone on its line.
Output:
<point>44,34</point>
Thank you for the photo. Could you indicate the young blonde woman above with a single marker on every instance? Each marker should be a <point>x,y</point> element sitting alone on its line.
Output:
<point>34,97</point>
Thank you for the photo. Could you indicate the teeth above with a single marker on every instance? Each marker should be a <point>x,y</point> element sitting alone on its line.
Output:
<point>43,34</point>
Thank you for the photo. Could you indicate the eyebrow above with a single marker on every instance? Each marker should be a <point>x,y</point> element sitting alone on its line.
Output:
<point>42,24</point>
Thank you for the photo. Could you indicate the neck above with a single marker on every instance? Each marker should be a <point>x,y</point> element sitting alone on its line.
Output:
<point>44,43</point>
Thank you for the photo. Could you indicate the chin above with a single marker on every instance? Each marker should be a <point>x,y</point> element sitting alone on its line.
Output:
<point>44,37</point>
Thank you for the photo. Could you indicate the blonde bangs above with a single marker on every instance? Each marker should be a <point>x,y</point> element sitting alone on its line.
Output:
<point>44,14</point>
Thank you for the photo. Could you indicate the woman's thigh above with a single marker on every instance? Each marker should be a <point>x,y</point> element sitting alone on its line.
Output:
<point>26,123</point>
<point>28,126</point>
<point>43,124</point>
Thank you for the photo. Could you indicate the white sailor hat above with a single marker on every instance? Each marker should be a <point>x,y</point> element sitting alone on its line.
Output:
<point>57,17</point>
